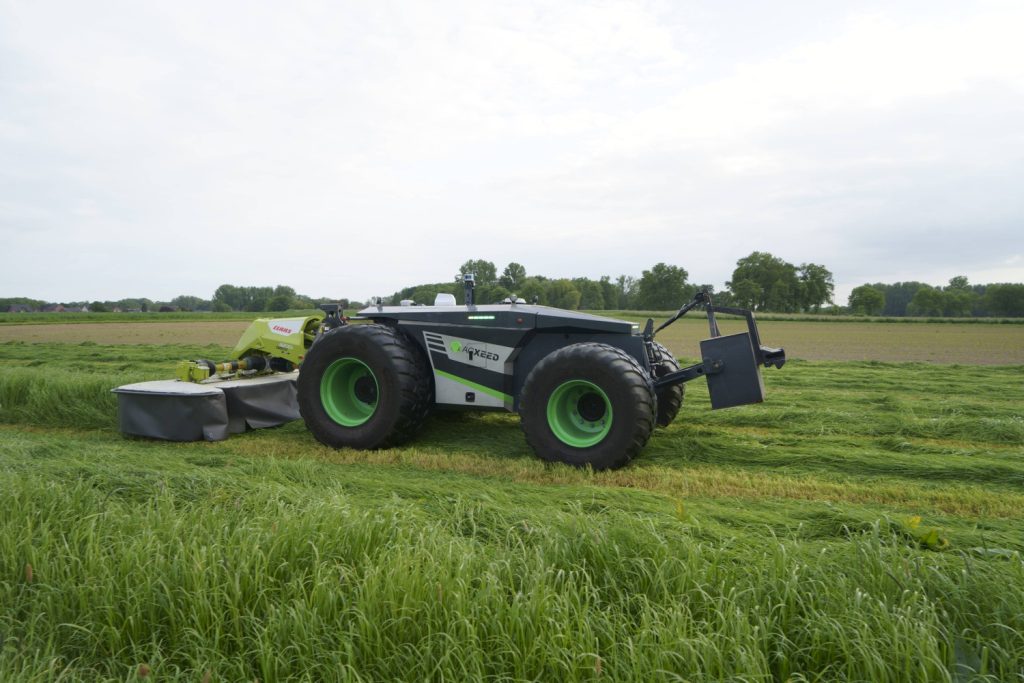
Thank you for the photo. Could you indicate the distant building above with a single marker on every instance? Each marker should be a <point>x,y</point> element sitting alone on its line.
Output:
<point>19,308</point>
<point>53,308</point>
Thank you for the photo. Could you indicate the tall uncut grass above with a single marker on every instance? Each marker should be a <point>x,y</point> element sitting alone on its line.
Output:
<point>260,569</point>
<point>68,385</point>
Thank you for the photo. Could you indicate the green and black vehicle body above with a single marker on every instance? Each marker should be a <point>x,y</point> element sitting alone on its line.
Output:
<point>480,358</point>
<point>589,389</point>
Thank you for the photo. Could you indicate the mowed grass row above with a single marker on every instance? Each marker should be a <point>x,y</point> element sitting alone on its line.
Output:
<point>768,542</point>
<point>188,559</point>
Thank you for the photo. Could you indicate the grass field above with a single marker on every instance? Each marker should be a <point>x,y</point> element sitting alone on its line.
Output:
<point>863,524</point>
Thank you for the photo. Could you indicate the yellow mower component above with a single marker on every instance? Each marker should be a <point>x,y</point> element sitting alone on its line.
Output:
<point>267,345</point>
<point>286,338</point>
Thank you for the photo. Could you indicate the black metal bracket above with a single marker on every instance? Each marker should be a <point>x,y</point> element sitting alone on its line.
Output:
<point>334,318</point>
<point>707,367</point>
<point>764,355</point>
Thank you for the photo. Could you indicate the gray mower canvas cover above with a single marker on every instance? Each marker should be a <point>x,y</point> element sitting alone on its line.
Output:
<point>184,411</point>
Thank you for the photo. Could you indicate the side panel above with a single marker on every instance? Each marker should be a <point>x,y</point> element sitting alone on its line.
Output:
<point>469,372</point>
<point>472,364</point>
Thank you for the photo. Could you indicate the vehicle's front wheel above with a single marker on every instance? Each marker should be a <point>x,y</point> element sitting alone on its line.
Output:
<point>588,404</point>
<point>363,386</point>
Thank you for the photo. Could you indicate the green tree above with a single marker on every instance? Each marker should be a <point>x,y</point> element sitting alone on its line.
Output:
<point>257,298</point>
<point>563,294</point>
<point>282,298</point>
<point>959,282</point>
<point>866,300</point>
<point>534,288</point>
<point>244,298</point>
<point>609,292</point>
<point>512,277</point>
<point>133,304</point>
<point>98,307</point>
<point>425,294</point>
<point>746,293</point>
<point>279,302</point>
<point>627,285</point>
<point>591,295</point>
<point>898,296</point>
<point>663,287</point>
<point>959,297</point>
<point>1005,299</point>
<point>303,302</point>
<point>486,272</point>
<point>32,304</point>
<point>778,287</point>
<point>187,302</point>
<point>927,301</point>
<point>231,296</point>
<point>816,286</point>
<point>491,294</point>
<point>285,290</point>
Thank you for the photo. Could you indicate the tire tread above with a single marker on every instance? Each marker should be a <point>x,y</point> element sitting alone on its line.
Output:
<point>409,366</point>
<point>594,354</point>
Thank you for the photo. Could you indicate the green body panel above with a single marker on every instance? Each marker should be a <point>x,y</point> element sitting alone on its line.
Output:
<point>286,338</point>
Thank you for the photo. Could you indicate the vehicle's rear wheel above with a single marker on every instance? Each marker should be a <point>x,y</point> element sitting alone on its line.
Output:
<point>588,404</point>
<point>670,399</point>
<point>363,386</point>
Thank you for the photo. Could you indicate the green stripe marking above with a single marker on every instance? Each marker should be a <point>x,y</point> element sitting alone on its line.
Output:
<point>473,385</point>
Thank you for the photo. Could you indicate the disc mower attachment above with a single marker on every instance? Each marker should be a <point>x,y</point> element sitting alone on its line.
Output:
<point>253,390</point>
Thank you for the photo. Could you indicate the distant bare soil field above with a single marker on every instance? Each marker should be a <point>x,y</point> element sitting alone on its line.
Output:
<point>966,343</point>
<point>225,332</point>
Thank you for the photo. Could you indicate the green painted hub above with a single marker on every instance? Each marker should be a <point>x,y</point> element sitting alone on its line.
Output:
<point>579,413</point>
<point>348,392</point>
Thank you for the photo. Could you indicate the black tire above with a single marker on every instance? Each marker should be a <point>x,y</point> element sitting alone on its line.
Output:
<point>364,386</point>
<point>588,404</point>
<point>670,399</point>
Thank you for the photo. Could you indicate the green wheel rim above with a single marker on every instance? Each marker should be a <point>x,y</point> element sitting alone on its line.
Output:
<point>579,413</point>
<point>348,392</point>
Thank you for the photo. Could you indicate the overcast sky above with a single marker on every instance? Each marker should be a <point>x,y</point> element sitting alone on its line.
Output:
<point>352,148</point>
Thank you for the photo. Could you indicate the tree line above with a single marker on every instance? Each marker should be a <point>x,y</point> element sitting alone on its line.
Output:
<point>957,299</point>
<point>226,298</point>
<point>761,282</point>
